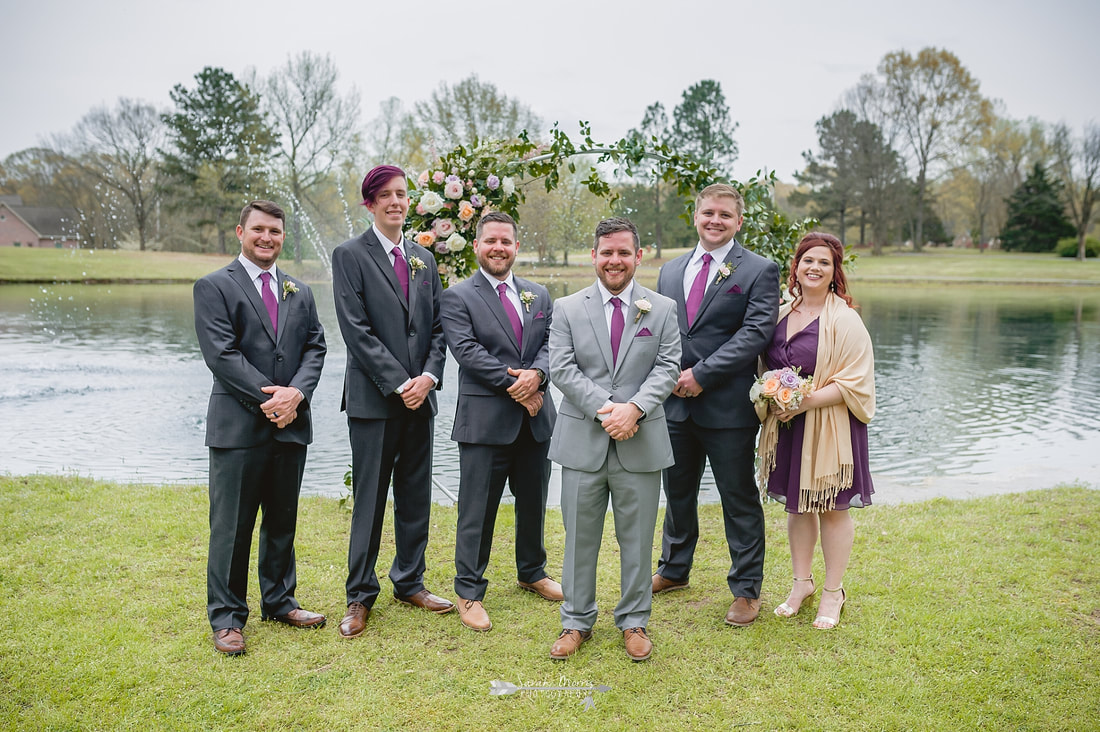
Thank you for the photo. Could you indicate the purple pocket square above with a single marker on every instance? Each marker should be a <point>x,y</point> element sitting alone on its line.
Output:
<point>736,290</point>
<point>540,315</point>
<point>643,332</point>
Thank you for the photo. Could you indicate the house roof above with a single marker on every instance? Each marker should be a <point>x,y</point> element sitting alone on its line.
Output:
<point>48,222</point>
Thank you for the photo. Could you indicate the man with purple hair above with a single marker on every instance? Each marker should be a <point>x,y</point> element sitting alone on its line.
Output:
<point>388,296</point>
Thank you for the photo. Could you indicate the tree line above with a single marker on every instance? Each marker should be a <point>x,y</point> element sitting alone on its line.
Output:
<point>913,152</point>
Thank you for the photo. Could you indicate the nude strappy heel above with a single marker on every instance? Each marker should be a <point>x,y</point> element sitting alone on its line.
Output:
<point>784,610</point>
<point>822,622</point>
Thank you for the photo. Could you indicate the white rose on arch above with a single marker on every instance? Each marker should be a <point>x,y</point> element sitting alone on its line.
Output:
<point>507,185</point>
<point>456,242</point>
<point>431,202</point>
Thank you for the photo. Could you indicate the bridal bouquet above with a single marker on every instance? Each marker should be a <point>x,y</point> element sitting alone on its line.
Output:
<point>781,387</point>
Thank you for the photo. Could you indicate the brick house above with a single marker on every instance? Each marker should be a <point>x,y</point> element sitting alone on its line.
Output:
<point>37,226</point>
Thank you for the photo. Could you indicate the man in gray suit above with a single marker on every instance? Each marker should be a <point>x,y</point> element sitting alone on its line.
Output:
<point>388,295</point>
<point>259,334</point>
<point>497,327</point>
<point>615,356</point>
<point>727,299</point>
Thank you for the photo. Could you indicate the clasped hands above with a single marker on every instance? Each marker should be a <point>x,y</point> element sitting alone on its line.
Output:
<point>525,390</point>
<point>686,385</point>
<point>282,407</point>
<point>620,420</point>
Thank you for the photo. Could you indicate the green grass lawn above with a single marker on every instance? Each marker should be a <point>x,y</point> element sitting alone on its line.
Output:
<point>961,615</point>
<point>933,265</point>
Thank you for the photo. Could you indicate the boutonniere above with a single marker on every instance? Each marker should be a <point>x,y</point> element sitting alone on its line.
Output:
<point>724,271</point>
<point>527,298</point>
<point>289,288</point>
<point>416,264</point>
<point>644,306</point>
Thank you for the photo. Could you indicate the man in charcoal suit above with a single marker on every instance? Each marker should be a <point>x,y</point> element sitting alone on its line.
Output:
<point>615,356</point>
<point>388,294</point>
<point>259,334</point>
<point>727,300</point>
<point>497,327</point>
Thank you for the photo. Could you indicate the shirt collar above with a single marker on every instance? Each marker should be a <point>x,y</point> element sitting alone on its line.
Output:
<point>510,281</point>
<point>718,255</point>
<point>624,295</point>
<point>386,242</point>
<point>254,270</point>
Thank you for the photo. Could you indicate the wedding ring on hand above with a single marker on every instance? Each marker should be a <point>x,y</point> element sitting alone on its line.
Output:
<point>275,415</point>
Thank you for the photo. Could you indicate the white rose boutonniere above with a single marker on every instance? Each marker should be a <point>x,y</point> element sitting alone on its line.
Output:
<point>644,306</point>
<point>289,288</point>
<point>527,298</point>
<point>416,264</point>
<point>724,271</point>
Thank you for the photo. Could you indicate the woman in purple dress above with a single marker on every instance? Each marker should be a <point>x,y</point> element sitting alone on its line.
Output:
<point>813,458</point>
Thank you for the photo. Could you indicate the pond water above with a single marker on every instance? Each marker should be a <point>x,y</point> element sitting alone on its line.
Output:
<point>980,389</point>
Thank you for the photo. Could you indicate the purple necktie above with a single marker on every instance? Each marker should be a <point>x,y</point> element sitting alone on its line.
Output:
<point>617,325</point>
<point>698,289</point>
<point>510,311</point>
<point>401,269</point>
<point>270,302</point>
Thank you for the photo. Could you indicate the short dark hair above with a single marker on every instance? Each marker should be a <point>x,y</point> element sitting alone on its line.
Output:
<point>379,176</point>
<point>497,217</point>
<point>268,207</point>
<point>611,226</point>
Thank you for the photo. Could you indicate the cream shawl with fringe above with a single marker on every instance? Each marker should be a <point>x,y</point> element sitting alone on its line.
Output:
<point>844,358</point>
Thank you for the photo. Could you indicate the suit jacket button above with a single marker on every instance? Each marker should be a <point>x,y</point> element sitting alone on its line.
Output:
<point>689,336</point>
<point>412,334</point>
<point>279,358</point>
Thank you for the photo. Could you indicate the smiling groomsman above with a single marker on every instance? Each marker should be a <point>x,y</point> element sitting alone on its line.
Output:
<point>727,299</point>
<point>259,334</point>
<point>615,355</point>
<point>388,294</point>
<point>497,326</point>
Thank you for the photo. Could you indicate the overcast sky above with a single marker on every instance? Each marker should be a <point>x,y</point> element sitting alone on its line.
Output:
<point>782,65</point>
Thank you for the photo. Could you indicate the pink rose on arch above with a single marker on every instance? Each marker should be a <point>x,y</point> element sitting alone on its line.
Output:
<point>469,183</point>
<point>453,189</point>
<point>420,209</point>
<point>425,238</point>
<point>443,228</point>
<point>466,211</point>
<point>422,179</point>
<point>437,177</point>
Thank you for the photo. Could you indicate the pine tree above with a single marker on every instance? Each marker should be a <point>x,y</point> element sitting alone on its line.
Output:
<point>1036,216</point>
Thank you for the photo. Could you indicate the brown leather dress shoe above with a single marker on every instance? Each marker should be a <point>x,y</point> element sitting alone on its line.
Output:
<point>473,615</point>
<point>427,601</point>
<point>300,618</point>
<point>355,620</point>
<point>546,588</point>
<point>229,641</point>
<point>638,644</point>
<point>660,584</point>
<point>743,611</point>
<point>568,643</point>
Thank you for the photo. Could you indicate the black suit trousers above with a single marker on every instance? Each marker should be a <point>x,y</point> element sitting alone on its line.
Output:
<point>400,447</point>
<point>243,481</point>
<point>731,455</point>
<point>484,470</point>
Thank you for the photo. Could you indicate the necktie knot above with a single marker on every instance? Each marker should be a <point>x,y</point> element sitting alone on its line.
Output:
<point>616,302</point>
<point>707,259</point>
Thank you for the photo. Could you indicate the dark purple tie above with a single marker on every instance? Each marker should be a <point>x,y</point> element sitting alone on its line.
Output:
<point>510,311</point>
<point>617,325</point>
<point>401,269</point>
<point>698,289</point>
<point>270,302</point>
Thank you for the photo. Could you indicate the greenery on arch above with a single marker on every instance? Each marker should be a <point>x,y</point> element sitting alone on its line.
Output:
<point>447,199</point>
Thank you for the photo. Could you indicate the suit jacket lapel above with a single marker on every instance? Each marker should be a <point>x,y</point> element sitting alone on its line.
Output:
<point>632,324</point>
<point>676,277</point>
<point>525,314</point>
<point>240,275</point>
<point>284,306</point>
<point>593,306</point>
<point>492,299</point>
<point>377,252</point>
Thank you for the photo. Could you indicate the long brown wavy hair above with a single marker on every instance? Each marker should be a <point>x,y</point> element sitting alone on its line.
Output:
<point>820,239</point>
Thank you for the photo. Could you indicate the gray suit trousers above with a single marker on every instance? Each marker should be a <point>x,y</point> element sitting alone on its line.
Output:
<point>584,499</point>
